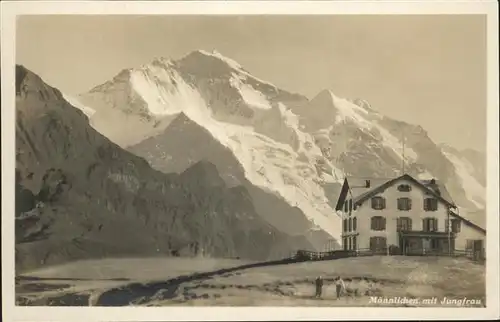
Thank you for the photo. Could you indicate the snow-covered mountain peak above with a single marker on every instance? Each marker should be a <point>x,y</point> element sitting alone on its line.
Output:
<point>328,102</point>
<point>323,98</point>
<point>286,144</point>
<point>327,109</point>
<point>213,64</point>
<point>216,54</point>
<point>210,63</point>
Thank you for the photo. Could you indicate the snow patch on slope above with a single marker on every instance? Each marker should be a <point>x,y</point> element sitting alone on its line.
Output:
<point>390,141</point>
<point>347,110</point>
<point>268,164</point>
<point>76,103</point>
<point>306,140</point>
<point>249,94</point>
<point>308,146</point>
<point>474,191</point>
<point>158,88</point>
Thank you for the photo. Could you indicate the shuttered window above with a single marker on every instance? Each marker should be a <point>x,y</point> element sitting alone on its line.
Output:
<point>345,225</point>
<point>404,204</point>
<point>455,225</point>
<point>404,224</point>
<point>430,224</point>
<point>430,204</point>
<point>377,243</point>
<point>378,203</point>
<point>378,223</point>
<point>354,223</point>
<point>350,224</point>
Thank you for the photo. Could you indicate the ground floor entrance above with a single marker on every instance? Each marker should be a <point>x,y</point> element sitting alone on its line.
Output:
<point>417,243</point>
<point>478,251</point>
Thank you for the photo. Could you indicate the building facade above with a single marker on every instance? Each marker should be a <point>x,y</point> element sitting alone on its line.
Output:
<point>404,216</point>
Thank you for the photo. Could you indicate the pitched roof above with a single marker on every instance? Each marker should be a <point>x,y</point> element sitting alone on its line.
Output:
<point>434,189</point>
<point>356,186</point>
<point>438,187</point>
<point>467,221</point>
<point>342,196</point>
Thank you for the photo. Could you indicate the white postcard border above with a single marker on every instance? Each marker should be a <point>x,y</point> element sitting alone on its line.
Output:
<point>11,9</point>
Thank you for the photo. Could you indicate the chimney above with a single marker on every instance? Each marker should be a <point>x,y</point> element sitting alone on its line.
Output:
<point>433,181</point>
<point>367,183</point>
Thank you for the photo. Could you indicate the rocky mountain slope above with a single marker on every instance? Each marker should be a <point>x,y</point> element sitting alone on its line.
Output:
<point>184,142</point>
<point>264,137</point>
<point>364,142</point>
<point>81,196</point>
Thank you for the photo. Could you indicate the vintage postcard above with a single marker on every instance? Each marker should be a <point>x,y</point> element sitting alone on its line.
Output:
<point>249,160</point>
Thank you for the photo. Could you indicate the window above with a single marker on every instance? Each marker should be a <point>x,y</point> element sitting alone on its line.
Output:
<point>354,223</point>
<point>404,204</point>
<point>455,225</point>
<point>378,223</point>
<point>345,225</point>
<point>354,242</point>
<point>430,224</point>
<point>350,224</point>
<point>344,243</point>
<point>404,224</point>
<point>378,203</point>
<point>350,205</point>
<point>430,204</point>
<point>345,206</point>
<point>377,243</point>
<point>404,187</point>
<point>349,243</point>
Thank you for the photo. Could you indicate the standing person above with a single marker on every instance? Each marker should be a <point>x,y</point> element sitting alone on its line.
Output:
<point>339,286</point>
<point>319,286</point>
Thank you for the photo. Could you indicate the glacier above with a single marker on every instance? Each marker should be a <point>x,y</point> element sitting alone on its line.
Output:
<point>282,173</point>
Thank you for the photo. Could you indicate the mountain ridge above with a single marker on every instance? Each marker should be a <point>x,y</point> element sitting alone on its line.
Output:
<point>281,140</point>
<point>184,142</point>
<point>79,194</point>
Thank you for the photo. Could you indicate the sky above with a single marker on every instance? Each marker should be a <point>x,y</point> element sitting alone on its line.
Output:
<point>424,69</point>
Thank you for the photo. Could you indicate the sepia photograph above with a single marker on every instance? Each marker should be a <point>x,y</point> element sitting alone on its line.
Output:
<point>250,160</point>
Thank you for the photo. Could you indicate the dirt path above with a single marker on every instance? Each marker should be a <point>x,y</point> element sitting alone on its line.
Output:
<point>137,293</point>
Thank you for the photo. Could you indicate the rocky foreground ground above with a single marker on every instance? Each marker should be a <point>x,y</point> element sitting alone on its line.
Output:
<point>209,282</point>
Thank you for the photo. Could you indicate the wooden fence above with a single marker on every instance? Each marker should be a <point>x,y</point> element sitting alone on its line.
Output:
<point>304,255</point>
